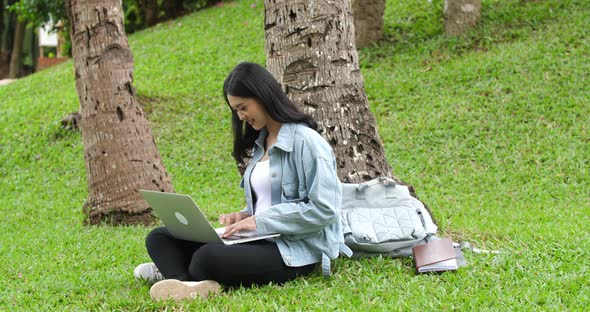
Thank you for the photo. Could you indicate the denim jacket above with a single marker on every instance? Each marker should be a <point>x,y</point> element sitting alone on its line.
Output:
<point>305,197</point>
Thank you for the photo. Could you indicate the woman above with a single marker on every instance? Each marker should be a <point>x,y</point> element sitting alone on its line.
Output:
<point>290,186</point>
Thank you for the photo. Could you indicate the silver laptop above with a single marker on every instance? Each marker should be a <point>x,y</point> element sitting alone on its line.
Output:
<point>185,220</point>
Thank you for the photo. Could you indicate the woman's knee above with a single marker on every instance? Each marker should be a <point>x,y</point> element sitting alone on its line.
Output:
<point>206,255</point>
<point>156,235</point>
<point>204,261</point>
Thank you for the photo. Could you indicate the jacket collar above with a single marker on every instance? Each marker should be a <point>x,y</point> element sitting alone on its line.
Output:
<point>284,140</point>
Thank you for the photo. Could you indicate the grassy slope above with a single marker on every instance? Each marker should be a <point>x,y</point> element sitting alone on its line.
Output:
<point>491,129</point>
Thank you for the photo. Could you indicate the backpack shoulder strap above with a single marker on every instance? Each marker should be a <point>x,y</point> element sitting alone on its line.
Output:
<point>326,262</point>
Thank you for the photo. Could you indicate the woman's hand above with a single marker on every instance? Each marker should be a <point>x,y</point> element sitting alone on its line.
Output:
<point>248,224</point>
<point>229,219</point>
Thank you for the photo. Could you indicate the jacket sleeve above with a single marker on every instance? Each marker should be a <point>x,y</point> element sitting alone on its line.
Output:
<point>311,214</point>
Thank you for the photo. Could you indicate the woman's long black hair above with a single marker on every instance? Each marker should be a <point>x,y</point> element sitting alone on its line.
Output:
<point>250,80</point>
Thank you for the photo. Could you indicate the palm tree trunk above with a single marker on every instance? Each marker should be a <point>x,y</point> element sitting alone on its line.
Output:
<point>119,149</point>
<point>310,48</point>
<point>461,15</point>
<point>368,21</point>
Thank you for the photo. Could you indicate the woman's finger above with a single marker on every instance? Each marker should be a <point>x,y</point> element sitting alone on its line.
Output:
<point>248,224</point>
<point>229,230</point>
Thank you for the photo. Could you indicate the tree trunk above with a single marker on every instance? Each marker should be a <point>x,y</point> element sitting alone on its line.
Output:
<point>149,11</point>
<point>3,54</point>
<point>461,15</point>
<point>10,22</point>
<point>35,50</point>
<point>368,21</point>
<point>2,10</point>
<point>16,56</point>
<point>7,41</point>
<point>311,50</point>
<point>172,8</point>
<point>120,152</point>
<point>9,30</point>
<point>169,8</point>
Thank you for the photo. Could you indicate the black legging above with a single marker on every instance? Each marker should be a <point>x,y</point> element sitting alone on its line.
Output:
<point>257,262</point>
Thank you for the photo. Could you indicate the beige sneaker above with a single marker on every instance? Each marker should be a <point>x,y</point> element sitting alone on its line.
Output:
<point>178,290</point>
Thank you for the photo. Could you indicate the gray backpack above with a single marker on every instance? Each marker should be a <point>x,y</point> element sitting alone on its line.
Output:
<point>380,217</point>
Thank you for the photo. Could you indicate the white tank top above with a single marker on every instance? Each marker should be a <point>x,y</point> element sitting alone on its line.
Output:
<point>260,181</point>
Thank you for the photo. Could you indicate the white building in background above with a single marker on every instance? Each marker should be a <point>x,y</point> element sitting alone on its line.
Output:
<point>50,41</point>
<point>47,38</point>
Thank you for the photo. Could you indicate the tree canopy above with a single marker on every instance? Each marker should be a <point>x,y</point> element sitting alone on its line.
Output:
<point>38,12</point>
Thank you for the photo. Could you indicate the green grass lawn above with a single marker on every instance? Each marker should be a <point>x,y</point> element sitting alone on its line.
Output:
<point>492,129</point>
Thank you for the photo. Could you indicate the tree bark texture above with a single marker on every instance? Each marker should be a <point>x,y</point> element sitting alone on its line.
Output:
<point>368,21</point>
<point>461,15</point>
<point>16,55</point>
<point>119,149</point>
<point>310,48</point>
